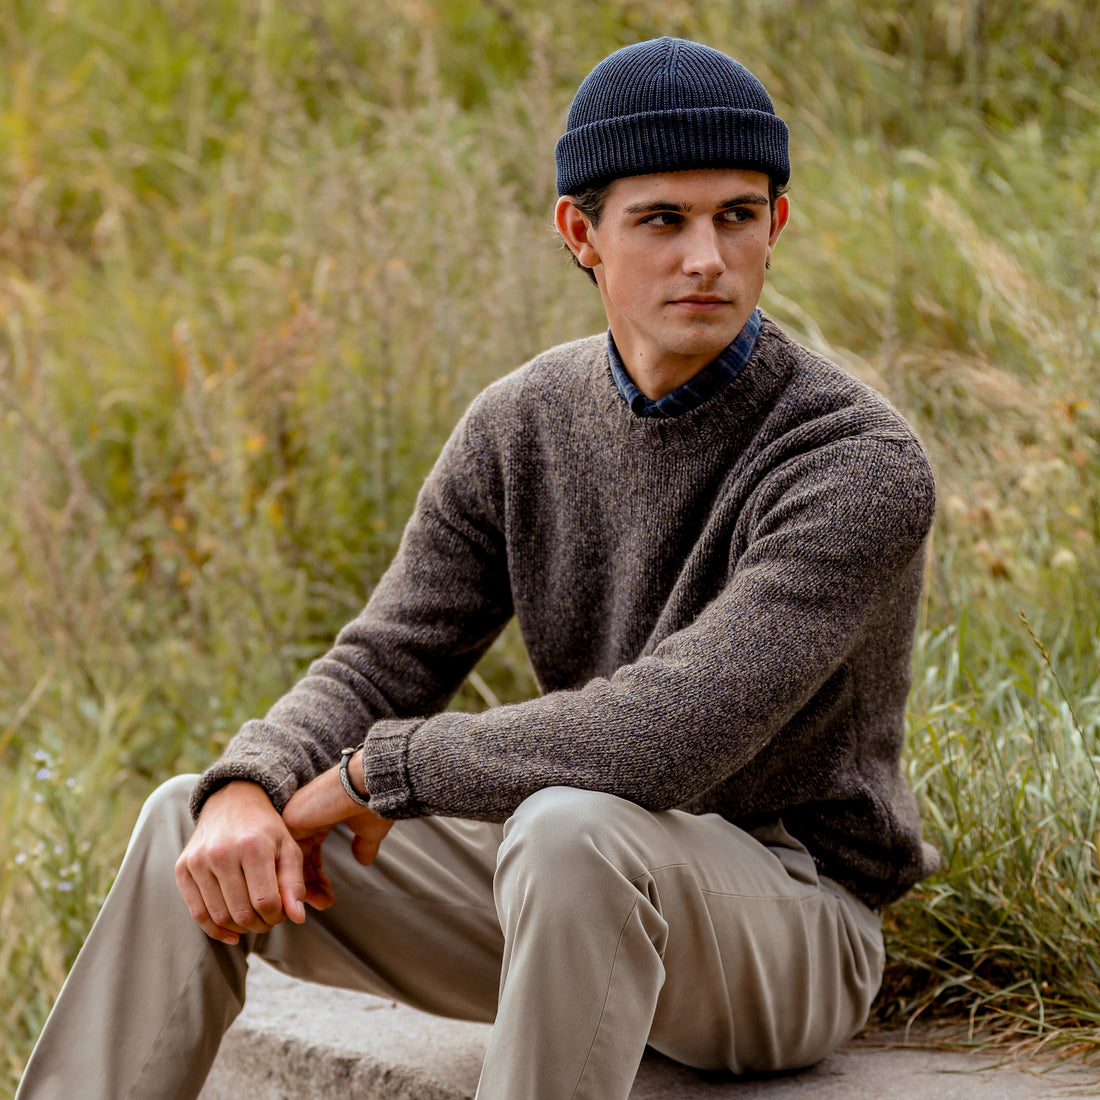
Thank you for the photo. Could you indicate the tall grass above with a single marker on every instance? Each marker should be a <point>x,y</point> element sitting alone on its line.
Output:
<point>255,259</point>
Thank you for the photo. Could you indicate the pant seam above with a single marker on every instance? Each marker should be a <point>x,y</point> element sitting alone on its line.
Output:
<point>164,1027</point>
<point>606,995</point>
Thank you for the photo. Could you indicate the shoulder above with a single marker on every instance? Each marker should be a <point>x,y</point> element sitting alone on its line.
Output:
<point>536,401</point>
<point>543,395</point>
<point>555,374</point>
<point>815,392</point>
<point>825,423</point>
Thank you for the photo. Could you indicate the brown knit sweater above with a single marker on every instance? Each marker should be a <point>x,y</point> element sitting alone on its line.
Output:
<point>719,609</point>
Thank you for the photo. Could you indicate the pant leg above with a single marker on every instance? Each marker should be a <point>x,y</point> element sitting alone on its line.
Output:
<point>145,1006</point>
<point>621,926</point>
<point>143,981</point>
<point>418,925</point>
<point>624,927</point>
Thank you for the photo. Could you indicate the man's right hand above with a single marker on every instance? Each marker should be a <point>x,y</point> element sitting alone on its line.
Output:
<point>242,871</point>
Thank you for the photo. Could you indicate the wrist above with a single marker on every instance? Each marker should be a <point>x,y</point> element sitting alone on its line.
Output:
<point>351,775</point>
<point>237,790</point>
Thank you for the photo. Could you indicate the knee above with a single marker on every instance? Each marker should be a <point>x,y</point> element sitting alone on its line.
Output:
<point>564,831</point>
<point>574,859</point>
<point>167,810</point>
<point>560,817</point>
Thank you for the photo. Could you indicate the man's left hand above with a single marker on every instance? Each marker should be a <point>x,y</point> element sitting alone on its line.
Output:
<point>312,812</point>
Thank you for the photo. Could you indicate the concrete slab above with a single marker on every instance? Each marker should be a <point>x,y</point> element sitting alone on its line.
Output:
<point>300,1042</point>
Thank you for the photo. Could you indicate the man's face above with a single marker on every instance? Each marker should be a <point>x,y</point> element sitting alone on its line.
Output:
<point>679,258</point>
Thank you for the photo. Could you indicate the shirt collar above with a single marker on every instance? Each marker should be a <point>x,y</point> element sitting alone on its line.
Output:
<point>714,376</point>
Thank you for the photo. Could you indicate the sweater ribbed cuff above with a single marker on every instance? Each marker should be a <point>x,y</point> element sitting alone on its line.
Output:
<point>257,769</point>
<point>385,764</point>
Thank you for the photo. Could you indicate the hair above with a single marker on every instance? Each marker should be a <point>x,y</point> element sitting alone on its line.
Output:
<point>592,199</point>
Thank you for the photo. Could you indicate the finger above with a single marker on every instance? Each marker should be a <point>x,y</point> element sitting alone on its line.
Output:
<point>319,894</point>
<point>370,830</point>
<point>365,849</point>
<point>192,898</point>
<point>319,891</point>
<point>311,842</point>
<point>225,895</point>
<point>262,899</point>
<point>291,883</point>
<point>219,876</point>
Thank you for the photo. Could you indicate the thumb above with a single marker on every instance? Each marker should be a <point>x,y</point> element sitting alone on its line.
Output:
<point>292,883</point>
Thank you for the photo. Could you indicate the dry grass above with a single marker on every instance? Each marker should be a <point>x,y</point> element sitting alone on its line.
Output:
<point>255,259</point>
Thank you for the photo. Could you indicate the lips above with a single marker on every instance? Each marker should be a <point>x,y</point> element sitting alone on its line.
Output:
<point>701,302</point>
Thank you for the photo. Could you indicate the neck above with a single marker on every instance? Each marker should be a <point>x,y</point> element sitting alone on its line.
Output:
<point>658,378</point>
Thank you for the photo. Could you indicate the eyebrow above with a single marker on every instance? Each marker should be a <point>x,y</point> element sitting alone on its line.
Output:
<point>750,198</point>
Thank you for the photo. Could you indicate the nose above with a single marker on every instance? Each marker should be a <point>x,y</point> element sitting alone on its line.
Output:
<point>703,254</point>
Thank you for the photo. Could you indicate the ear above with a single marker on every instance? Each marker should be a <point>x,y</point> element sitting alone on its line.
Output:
<point>781,212</point>
<point>577,232</point>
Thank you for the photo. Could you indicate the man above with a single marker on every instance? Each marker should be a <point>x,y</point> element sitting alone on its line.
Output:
<point>713,541</point>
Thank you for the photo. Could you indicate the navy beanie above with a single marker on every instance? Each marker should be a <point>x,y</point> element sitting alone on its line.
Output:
<point>665,106</point>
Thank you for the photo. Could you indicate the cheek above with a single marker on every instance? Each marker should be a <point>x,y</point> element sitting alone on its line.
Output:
<point>621,284</point>
<point>750,261</point>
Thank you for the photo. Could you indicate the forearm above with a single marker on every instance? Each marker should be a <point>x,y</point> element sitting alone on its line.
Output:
<point>433,614</point>
<point>701,703</point>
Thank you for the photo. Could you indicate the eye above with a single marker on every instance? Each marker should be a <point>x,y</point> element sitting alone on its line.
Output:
<point>662,219</point>
<point>738,214</point>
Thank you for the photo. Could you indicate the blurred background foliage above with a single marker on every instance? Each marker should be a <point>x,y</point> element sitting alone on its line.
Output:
<point>256,258</point>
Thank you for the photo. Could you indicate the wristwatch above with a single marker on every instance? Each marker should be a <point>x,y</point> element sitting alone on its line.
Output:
<point>345,780</point>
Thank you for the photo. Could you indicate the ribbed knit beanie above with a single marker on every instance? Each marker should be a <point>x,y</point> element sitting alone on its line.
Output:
<point>665,106</point>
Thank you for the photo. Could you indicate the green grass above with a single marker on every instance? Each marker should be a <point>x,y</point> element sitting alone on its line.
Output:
<point>254,261</point>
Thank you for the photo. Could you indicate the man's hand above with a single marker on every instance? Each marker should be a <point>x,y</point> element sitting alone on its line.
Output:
<point>322,803</point>
<point>246,868</point>
<point>242,871</point>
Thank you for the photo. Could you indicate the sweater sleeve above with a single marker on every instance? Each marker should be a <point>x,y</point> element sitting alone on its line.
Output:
<point>821,543</point>
<point>435,611</point>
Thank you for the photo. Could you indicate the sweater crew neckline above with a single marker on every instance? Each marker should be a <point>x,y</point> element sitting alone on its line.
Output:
<point>703,385</point>
<point>727,412</point>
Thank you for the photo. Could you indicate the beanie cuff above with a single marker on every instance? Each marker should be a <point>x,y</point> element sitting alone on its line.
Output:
<point>672,141</point>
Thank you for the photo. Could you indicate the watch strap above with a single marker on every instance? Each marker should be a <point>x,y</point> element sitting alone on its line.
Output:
<point>345,779</point>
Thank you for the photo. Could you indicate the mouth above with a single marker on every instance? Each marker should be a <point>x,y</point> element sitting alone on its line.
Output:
<point>701,303</point>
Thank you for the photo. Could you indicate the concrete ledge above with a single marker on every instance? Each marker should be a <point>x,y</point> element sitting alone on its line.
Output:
<point>296,1041</point>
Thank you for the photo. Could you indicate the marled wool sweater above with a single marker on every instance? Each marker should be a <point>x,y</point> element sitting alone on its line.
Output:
<point>719,609</point>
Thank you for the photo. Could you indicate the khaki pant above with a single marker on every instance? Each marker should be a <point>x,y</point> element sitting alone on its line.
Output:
<point>585,927</point>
